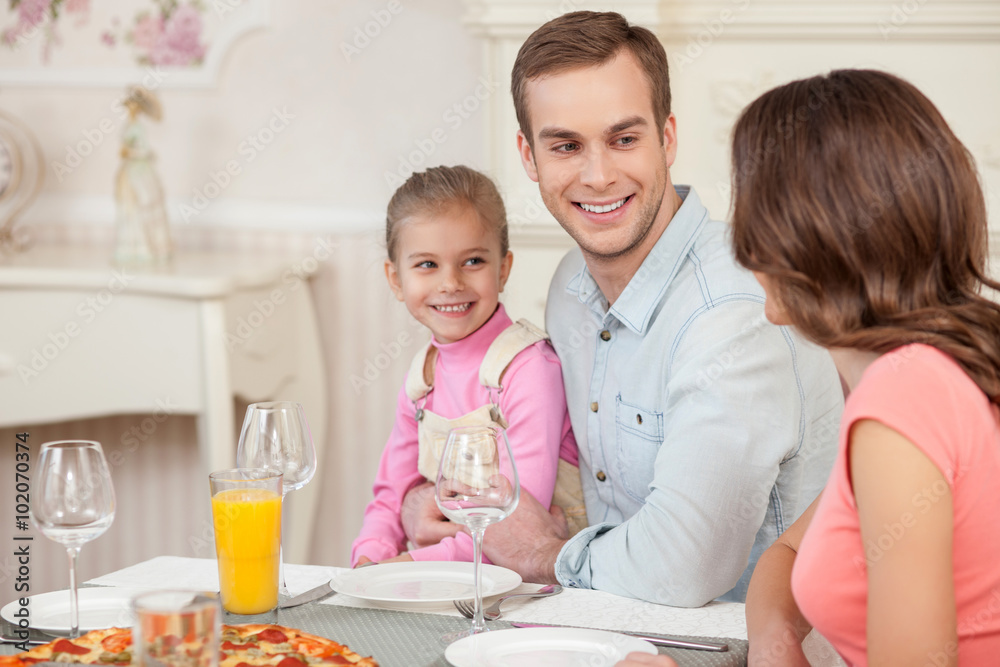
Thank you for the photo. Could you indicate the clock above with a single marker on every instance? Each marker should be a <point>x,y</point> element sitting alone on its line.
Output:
<point>21,175</point>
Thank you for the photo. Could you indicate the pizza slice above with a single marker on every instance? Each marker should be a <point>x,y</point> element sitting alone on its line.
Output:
<point>251,645</point>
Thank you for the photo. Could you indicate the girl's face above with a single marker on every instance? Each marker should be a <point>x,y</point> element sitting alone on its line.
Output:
<point>448,271</point>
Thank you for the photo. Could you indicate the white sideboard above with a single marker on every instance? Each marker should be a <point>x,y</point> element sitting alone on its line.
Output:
<point>82,338</point>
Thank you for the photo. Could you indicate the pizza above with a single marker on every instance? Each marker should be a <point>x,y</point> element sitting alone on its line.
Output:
<point>251,645</point>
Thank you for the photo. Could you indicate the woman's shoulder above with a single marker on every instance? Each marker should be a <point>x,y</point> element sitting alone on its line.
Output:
<point>918,389</point>
<point>916,367</point>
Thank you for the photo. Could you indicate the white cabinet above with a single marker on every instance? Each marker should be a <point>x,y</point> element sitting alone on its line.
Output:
<point>81,338</point>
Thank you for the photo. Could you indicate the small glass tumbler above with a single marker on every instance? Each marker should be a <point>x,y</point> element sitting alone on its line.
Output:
<point>246,513</point>
<point>176,628</point>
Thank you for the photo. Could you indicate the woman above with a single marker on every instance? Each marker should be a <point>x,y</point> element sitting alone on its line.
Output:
<point>861,214</point>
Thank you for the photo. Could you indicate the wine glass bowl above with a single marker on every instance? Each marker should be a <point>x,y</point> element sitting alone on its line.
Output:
<point>276,435</point>
<point>477,485</point>
<point>73,501</point>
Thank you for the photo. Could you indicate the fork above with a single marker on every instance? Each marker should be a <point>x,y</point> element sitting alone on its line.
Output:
<point>468,609</point>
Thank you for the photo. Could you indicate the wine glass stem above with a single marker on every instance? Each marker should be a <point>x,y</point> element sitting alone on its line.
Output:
<point>74,603</point>
<point>282,587</point>
<point>478,624</point>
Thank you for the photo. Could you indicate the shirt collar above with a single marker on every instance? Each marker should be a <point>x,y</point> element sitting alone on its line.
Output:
<point>635,306</point>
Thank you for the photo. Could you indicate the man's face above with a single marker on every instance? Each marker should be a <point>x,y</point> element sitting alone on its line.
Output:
<point>600,161</point>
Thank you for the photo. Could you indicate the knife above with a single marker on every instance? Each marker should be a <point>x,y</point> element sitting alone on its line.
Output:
<point>659,640</point>
<point>318,593</point>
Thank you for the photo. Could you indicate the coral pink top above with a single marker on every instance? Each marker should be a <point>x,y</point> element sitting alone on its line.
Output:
<point>921,393</point>
<point>533,403</point>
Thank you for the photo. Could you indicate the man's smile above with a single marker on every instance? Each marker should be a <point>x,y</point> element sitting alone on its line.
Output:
<point>603,208</point>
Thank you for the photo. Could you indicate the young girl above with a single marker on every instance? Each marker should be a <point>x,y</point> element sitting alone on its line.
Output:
<point>862,214</point>
<point>446,234</point>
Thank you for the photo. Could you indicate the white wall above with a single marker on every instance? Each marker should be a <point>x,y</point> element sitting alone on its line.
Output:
<point>352,120</point>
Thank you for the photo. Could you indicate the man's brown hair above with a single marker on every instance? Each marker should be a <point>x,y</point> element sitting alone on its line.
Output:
<point>589,39</point>
<point>853,194</point>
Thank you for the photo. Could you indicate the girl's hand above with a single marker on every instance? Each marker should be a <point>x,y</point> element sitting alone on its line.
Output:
<point>646,660</point>
<point>401,558</point>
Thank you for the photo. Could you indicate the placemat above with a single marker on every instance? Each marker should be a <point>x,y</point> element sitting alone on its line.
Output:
<point>409,639</point>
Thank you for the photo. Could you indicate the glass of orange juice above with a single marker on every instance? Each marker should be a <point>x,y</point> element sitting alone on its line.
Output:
<point>246,512</point>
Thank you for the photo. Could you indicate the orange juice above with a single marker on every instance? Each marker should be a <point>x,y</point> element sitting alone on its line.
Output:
<point>248,546</point>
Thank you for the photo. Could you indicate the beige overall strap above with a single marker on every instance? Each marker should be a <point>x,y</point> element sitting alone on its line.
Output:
<point>511,342</point>
<point>420,379</point>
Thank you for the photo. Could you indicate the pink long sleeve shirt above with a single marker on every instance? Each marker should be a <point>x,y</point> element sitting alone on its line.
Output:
<point>533,403</point>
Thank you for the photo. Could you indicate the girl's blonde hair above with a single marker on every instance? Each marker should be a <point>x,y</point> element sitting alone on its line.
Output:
<point>440,188</point>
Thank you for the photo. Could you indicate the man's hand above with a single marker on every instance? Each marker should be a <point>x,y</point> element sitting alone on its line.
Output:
<point>422,521</point>
<point>528,541</point>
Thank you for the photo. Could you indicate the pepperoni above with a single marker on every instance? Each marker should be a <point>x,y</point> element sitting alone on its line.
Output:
<point>314,648</point>
<point>66,646</point>
<point>273,636</point>
<point>222,657</point>
<point>291,662</point>
<point>243,664</point>
<point>116,643</point>
<point>169,641</point>
<point>338,660</point>
<point>229,646</point>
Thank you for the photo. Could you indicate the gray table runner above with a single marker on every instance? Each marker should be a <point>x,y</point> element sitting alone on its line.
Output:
<point>408,639</point>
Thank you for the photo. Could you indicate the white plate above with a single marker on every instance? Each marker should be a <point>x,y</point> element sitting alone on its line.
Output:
<point>99,608</point>
<point>428,583</point>
<point>552,647</point>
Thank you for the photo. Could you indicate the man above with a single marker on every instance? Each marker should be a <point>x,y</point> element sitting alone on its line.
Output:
<point>703,430</point>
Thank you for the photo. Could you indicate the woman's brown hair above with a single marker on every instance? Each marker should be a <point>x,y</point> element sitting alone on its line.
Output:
<point>436,190</point>
<point>852,193</point>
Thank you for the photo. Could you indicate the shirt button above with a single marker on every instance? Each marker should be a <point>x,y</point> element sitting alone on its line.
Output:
<point>593,406</point>
<point>605,335</point>
<point>638,418</point>
<point>600,476</point>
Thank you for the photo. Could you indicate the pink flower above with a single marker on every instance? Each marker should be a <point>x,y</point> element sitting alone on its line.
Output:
<point>179,44</point>
<point>32,12</point>
<point>78,6</point>
<point>108,38</point>
<point>147,32</point>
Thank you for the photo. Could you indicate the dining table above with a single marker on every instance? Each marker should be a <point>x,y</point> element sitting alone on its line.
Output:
<point>407,634</point>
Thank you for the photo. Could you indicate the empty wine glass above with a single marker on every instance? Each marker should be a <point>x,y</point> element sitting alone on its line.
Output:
<point>73,502</point>
<point>276,435</point>
<point>477,485</point>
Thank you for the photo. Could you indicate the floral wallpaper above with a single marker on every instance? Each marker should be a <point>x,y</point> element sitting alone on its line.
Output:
<point>163,32</point>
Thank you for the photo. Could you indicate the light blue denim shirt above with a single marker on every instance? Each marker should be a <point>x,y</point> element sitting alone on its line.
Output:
<point>704,430</point>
